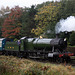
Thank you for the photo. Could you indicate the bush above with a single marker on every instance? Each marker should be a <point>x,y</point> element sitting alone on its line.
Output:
<point>72,39</point>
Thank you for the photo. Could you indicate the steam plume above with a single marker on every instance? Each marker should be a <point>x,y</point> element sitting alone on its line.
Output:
<point>66,25</point>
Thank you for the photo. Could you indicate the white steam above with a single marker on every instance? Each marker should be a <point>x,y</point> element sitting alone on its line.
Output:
<point>66,25</point>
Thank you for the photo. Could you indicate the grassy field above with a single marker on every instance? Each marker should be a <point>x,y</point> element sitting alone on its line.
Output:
<point>10,65</point>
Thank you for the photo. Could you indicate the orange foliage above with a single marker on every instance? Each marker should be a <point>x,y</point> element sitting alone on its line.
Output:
<point>10,26</point>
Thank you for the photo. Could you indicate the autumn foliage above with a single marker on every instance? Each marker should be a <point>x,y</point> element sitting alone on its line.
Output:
<point>36,20</point>
<point>46,17</point>
<point>12,24</point>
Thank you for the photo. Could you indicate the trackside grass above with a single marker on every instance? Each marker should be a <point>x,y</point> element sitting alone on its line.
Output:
<point>10,65</point>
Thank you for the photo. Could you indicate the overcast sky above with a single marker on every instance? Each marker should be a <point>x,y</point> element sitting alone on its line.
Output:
<point>21,3</point>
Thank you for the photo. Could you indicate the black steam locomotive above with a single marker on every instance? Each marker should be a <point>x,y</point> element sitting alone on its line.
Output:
<point>42,48</point>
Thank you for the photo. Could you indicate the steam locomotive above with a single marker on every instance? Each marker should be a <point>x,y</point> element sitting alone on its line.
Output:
<point>42,48</point>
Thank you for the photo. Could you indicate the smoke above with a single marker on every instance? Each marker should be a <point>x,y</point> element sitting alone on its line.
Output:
<point>66,25</point>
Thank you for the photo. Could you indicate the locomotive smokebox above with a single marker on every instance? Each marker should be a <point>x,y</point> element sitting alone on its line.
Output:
<point>60,43</point>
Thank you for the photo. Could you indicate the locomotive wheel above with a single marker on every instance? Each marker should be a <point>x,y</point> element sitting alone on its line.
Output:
<point>59,60</point>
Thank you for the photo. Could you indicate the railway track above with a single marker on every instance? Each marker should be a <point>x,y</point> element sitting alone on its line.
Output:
<point>71,63</point>
<point>72,60</point>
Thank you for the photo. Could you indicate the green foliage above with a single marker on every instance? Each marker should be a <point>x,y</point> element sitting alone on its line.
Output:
<point>72,38</point>
<point>67,8</point>
<point>65,35</point>
<point>28,21</point>
<point>43,4</point>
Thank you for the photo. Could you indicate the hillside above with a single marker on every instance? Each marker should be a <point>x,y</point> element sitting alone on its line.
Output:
<point>10,65</point>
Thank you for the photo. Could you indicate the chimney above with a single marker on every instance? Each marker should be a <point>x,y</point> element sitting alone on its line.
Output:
<point>57,36</point>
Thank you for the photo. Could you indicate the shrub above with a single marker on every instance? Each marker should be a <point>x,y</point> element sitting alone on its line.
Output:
<point>72,39</point>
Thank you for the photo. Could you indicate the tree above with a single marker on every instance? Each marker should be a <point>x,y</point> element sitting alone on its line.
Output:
<point>67,8</point>
<point>12,24</point>
<point>43,4</point>
<point>3,14</point>
<point>72,38</point>
<point>46,18</point>
<point>28,21</point>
